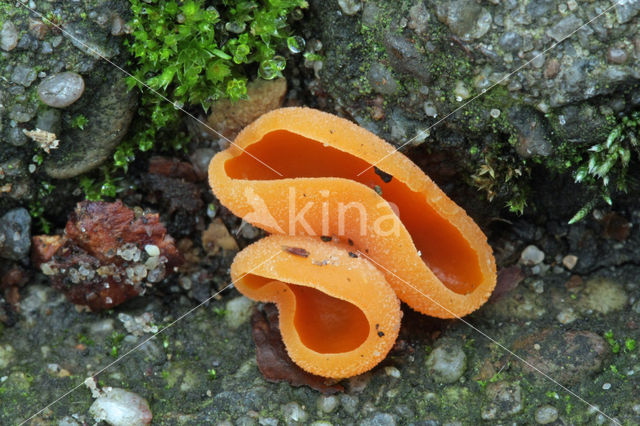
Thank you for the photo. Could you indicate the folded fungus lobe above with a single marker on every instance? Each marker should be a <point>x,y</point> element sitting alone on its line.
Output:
<point>330,323</point>
<point>305,173</point>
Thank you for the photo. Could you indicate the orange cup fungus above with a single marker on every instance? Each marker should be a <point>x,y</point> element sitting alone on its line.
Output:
<point>303,172</point>
<point>330,323</point>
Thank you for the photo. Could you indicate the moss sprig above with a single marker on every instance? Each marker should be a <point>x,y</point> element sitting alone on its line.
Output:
<point>607,163</point>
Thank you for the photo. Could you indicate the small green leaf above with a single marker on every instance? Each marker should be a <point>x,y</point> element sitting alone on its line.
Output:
<point>217,71</point>
<point>220,54</point>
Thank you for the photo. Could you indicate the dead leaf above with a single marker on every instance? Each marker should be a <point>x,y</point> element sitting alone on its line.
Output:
<point>508,279</point>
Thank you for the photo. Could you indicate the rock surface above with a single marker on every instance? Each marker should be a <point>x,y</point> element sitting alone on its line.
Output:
<point>407,70</point>
<point>109,112</point>
<point>46,69</point>
<point>203,370</point>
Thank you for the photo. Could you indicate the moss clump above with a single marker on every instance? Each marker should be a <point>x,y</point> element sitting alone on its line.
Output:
<point>195,52</point>
<point>604,169</point>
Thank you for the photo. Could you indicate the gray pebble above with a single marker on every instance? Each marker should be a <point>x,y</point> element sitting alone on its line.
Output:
<point>447,362</point>
<point>564,27</point>
<point>61,90</point>
<point>418,17</point>
<point>294,413</point>
<point>49,120</point>
<point>6,355</point>
<point>327,404</point>
<point>117,26</point>
<point>616,56</point>
<point>379,419</point>
<point>381,79</point>
<point>14,136</point>
<point>15,234</point>
<point>102,327</point>
<point>8,36</point>
<point>46,48</point>
<point>546,414</point>
<point>626,10</point>
<point>238,311</point>
<point>22,113</point>
<point>406,58</point>
<point>533,139</point>
<point>505,400</point>
<point>370,14</point>
<point>246,421</point>
<point>350,7</point>
<point>511,42</point>
<point>538,59</point>
<point>350,402</point>
<point>23,75</point>
<point>466,19</point>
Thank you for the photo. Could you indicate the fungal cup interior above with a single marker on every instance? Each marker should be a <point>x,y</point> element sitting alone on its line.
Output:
<point>443,248</point>
<point>325,324</point>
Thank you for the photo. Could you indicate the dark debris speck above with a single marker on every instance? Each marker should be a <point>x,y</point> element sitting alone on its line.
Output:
<point>296,251</point>
<point>386,177</point>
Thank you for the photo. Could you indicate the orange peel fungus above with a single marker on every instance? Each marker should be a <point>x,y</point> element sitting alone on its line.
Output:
<point>299,171</point>
<point>330,323</point>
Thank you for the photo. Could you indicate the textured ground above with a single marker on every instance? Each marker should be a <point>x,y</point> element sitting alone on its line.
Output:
<point>579,327</point>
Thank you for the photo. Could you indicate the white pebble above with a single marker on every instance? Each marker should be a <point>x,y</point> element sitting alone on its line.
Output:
<point>531,255</point>
<point>119,407</point>
<point>461,91</point>
<point>327,404</point>
<point>350,7</point>
<point>566,316</point>
<point>546,414</point>
<point>570,261</point>
<point>392,372</point>
<point>152,250</point>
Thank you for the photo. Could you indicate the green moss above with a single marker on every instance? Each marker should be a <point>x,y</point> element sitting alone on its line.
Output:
<point>36,208</point>
<point>194,52</point>
<point>603,169</point>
